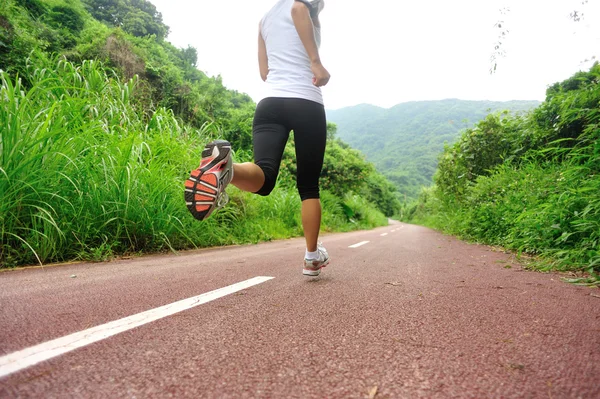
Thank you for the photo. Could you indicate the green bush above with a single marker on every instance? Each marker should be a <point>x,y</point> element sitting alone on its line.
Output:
<point>536,190</point>
<point>67,18</point>
<point>35,7</point>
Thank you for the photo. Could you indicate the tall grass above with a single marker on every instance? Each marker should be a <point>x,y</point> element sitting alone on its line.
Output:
<point>78,167</point>
<point>83,175</point>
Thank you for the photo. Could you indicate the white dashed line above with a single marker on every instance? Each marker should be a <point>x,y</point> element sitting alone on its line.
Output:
<point>384,234</point>
<point>359,244</point>
<point>19,360</point>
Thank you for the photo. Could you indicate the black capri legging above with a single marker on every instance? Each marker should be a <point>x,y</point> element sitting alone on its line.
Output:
<point>274,119</point>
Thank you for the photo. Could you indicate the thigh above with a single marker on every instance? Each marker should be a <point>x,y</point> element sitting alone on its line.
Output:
<point>310,135</point>
<point>269,133</point>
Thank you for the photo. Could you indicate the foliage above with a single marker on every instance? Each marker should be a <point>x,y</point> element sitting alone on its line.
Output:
<point>18,36</point>
<point>403,142</point>
<point>496,139</point>
<point>35,7</point>
<point>137,17</point>
<point>85,177</point>
<point>381,192</point>
<point>536,190</point>
<point>344,169</point>
<point>66,18</point>
<point>100,125</point>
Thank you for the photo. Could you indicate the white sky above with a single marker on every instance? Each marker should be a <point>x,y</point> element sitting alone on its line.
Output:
<point>385,52</point>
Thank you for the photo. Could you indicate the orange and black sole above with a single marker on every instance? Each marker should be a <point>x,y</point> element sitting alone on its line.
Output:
<point>202,187</point>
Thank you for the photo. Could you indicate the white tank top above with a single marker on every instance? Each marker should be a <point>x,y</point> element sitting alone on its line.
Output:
<point>289,65</point>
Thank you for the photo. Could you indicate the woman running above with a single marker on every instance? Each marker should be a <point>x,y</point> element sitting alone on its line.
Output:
<point>289,63</point>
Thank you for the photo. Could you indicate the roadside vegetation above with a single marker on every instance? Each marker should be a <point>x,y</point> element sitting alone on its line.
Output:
<point>404,141</point>
<point>101,121</point>
<point>529,183</point>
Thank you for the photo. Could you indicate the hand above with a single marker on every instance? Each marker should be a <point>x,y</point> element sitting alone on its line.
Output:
<point>321,75</point>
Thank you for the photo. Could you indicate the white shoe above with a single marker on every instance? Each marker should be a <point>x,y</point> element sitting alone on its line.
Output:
<point>312,267</point>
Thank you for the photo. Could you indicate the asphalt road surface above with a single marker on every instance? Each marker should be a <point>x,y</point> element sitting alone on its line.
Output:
<point>410,313</point>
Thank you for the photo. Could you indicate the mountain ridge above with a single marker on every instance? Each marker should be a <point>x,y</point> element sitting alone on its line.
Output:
<point>404,141</point>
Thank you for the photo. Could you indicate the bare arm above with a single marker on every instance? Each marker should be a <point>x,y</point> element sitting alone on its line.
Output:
<point>304,27</point>
<point>263,60</point>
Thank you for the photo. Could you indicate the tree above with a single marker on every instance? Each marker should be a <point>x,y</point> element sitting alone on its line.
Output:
<point>66,17</point>
<point>137,17</point>
<point>190,56</point>
<point>331,131</point>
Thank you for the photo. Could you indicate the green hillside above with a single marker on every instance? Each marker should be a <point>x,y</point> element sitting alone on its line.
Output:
<point>405,141</point>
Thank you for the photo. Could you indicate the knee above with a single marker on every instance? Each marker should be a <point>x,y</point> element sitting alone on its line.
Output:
<point>308,192</point>
<point>270,179</point>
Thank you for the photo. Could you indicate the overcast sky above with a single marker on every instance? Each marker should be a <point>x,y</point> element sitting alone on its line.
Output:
<point>385,52</point>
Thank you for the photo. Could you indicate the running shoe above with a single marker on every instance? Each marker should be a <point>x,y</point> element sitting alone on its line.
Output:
<point>205,188</point>
<point>312,267</point>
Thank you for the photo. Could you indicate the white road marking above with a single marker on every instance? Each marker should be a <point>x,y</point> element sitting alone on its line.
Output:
<point>359,244</point>
<point>384,234</point>
<point>19,360</point>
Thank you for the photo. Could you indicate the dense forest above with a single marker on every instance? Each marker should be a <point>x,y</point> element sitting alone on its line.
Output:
<point>101,121</point>
<point>404,141</point>
<point>529,183</point>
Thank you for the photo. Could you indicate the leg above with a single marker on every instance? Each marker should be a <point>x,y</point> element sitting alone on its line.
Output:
<point>269,137</point>
<point>248,177</point>
<point>310,134</point>
<point>205,188</point>
<point>311,222</point>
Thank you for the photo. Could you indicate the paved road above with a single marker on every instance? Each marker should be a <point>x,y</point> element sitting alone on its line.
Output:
<point>410,314</point>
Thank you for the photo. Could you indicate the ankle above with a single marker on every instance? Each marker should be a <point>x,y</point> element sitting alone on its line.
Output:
<point>311,254</point>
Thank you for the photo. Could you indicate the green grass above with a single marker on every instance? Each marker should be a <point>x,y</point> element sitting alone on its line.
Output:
<point>84,175</point>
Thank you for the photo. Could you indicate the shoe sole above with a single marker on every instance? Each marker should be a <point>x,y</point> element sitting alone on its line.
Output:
<point>202,187</point>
